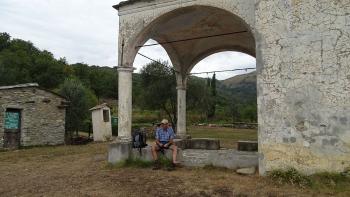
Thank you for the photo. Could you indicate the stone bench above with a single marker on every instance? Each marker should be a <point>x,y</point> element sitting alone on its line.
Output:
<point>121,151</point>
<point>146,154</point>
<point>231,159</point>
<point>198,143</point>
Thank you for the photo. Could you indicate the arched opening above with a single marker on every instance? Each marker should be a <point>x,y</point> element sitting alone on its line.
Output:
<point>224,109</point>
<point>188,35</point>
<point>154,88</point>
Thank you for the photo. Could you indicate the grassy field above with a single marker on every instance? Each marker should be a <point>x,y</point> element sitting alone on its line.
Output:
<point>228,136</point>
<point>83,171</point>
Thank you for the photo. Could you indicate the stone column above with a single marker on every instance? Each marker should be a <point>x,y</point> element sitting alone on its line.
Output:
<point>181,106</point>
<point>181,112</point>
<point>125,103</point>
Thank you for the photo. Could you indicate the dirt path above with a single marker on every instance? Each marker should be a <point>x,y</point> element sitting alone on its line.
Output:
<point>82,171</point>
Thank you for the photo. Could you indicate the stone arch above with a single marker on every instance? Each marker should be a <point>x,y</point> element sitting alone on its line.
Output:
<point>149,29</point>
<point>186,22</point>
<point>177,30</point>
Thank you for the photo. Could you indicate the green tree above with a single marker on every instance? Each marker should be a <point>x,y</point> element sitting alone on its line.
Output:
<point>198,95</point>
<point>81,99</point>
<point>22,62</point>
<point>212,98</point>
<point>249,113</point>
<point>159,89</point>
<point>5,39</point>
<point>234,111</point>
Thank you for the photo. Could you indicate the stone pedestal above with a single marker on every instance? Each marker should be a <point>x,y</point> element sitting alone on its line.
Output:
<point>119,151</point>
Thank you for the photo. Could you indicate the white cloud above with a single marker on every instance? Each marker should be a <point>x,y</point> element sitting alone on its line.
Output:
<point>80,30</point>
<point>220,61</point>
<point>87,31</point>
<point>225,61</point>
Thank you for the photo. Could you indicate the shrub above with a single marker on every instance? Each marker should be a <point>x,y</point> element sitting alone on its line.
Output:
<point>335,181</point>
<point>290,176</point>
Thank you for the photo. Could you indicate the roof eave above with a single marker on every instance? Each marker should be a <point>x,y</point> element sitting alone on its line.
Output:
<point>116,7</point>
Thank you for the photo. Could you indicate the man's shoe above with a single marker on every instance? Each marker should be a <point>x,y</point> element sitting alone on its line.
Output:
<point>178,165</point>
<point>156,165</point>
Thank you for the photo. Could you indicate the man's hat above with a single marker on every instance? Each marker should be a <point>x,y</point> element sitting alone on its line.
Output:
<point>164,121</point>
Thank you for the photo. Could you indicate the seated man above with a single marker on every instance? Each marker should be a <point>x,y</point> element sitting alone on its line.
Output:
<point>164,140</point>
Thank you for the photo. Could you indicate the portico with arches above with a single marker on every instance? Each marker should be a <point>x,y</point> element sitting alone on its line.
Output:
<point>304,121</point>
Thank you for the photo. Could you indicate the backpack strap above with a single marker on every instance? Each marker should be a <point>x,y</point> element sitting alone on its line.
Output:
<point>140,141</point>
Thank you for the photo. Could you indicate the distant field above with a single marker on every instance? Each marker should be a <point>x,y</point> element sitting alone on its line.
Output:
<point>228,136</point>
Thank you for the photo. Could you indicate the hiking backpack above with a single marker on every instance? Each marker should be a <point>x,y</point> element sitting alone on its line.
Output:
<point>139,139</point>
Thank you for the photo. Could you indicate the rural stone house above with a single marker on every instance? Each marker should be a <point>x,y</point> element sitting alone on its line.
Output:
<point>31,116</point>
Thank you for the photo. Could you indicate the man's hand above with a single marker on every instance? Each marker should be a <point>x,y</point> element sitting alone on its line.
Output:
<point>166,145</point>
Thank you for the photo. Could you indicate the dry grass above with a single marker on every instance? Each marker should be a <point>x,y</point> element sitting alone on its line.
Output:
<point>83,171</point>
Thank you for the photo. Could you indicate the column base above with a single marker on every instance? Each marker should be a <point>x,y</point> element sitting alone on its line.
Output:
<point>183,136</point>
<point>119,151</point>
<point>122,139</point>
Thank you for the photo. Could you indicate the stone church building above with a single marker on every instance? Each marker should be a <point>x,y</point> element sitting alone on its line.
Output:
<point>31,116</point>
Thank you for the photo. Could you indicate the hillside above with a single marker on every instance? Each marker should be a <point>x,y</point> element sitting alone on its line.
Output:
<point>240,80</point>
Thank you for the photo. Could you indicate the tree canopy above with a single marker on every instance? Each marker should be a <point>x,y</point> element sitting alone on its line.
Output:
<point>153,89</point>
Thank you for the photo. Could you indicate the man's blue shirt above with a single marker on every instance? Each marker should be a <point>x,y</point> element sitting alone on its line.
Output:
<point>165,135</point>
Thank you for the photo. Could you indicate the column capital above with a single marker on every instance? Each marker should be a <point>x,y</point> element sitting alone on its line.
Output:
<point>125,69</point>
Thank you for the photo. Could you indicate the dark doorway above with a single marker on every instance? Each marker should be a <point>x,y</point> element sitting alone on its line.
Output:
<point>12,135</point>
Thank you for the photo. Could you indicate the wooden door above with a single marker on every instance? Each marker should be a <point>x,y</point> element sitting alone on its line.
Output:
<point>12,135</point>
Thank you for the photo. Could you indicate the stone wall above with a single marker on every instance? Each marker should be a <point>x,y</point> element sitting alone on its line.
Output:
<point>304,84</point>
<point>42,122</point>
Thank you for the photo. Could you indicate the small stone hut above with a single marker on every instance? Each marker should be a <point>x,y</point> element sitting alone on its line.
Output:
<point>101,123</point>
<point>31,116</point>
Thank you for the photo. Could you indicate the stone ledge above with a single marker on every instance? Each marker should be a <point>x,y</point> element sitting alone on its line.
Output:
<point>231,159</point>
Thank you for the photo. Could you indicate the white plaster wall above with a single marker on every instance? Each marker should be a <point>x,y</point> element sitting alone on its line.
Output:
<point>303,84</point>
<point>102,131</point>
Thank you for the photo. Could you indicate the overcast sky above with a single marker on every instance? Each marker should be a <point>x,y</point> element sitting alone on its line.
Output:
<point>87,31</point>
